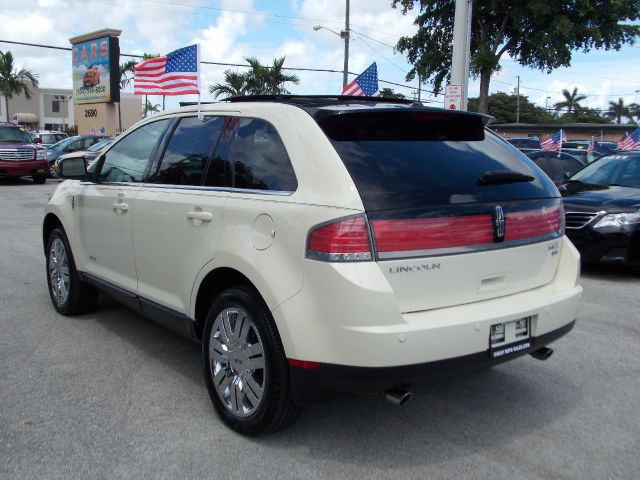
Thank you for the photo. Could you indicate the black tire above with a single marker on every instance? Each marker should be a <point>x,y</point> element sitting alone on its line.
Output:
<point>274,409</point>
<point>80,297</point>
<point>39,179</point>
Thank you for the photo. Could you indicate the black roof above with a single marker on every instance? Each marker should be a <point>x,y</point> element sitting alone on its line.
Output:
<point>318,106</point>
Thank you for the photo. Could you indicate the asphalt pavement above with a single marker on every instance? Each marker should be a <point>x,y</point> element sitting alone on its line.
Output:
<point>113,395</point>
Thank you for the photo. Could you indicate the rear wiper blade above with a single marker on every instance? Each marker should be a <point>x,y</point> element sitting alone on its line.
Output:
<point>498,177</point>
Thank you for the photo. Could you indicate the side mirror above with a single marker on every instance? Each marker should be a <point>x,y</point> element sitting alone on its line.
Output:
<point>72,168</point>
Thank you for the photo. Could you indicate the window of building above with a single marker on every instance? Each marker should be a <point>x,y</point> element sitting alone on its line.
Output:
<point>55,105</point>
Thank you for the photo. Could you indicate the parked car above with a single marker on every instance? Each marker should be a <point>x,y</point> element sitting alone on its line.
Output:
<point>525,144</point>
<point>317,246</point>
<point>558,166</point>
<point>89,155</point>
<point>71,144</point>
<point>19,156</point>
<point>48,137</point>
<point>599,148</point>
<point>602,209</point>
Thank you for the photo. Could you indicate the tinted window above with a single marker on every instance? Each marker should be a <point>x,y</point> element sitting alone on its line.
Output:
<point>188,151</point>
<point>14,134</point>
<point>128,158</point>
<point>614,169</point>
<point>260,159</point>
<point>401,174</point>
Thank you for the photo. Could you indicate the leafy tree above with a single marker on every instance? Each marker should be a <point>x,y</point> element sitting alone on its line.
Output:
<point>589,115</point>
<point>259,80</point>
<point>150,108</point>
<point>13,81</point>
<point>536,33</point>
<point>617,110</point>
<point>235,85</point>
<point>390,93</point>
<point>571,101</point>
<point>503,107</point>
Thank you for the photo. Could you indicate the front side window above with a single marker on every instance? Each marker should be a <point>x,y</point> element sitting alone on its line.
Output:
<point>188,151</point>
<point>127,160</point>
<point>260,159</point>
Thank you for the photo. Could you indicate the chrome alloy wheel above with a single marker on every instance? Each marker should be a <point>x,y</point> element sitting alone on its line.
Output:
<point>59,271</point>
<point>237,363</point>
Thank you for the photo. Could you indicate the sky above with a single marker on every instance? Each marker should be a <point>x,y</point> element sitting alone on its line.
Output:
<point>230,30</point>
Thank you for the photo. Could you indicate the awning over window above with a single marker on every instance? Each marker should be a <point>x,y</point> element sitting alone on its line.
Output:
<point>25,117</point>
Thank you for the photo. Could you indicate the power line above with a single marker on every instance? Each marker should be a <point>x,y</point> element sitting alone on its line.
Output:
<point>222,64</point>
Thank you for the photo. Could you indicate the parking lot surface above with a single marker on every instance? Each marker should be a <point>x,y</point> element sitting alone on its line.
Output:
<point>113,395</point>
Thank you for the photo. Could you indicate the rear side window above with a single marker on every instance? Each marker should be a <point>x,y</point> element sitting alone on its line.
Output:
<point>405,160</point>
<point>191,145</point>
<point>127,160</point>
<point>259,158</point>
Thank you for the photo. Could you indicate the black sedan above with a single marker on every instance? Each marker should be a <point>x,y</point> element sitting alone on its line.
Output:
<point>602,209</point>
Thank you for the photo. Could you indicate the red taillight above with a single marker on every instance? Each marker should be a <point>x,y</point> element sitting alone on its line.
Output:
<point>345,240</point>
<point>432,233</point>
<point>532,223</point>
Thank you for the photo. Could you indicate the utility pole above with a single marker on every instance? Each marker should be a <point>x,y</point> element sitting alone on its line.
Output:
<point>518,100</point>
<point>461,47</point>
<point>345,34</point>
<point>419,86</point>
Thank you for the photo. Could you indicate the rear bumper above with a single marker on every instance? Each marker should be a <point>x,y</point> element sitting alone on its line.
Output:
<point>329,380</point>
<point>23,168</point>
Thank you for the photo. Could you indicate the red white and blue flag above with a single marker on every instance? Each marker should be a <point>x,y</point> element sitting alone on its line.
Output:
<point>177,73</point>
<point>365,84</point>
<point>630,141</point>
<point>591,146</point>
<point>554,143</point>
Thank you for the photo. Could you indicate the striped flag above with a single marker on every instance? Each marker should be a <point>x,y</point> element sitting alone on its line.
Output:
<point>554,143</point>
<point>177,73</point>
<point>590,147</point>
<point>630,142</point>
<point>365,84</point>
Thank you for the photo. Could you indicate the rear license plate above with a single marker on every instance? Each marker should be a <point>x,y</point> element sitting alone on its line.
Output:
<point>510,337</point>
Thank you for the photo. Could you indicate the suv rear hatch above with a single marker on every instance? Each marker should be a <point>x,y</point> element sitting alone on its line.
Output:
<point>456,214</point>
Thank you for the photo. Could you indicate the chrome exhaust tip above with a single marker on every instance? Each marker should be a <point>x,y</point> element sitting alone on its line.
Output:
<point>542,353</point>
<point>398,396</point>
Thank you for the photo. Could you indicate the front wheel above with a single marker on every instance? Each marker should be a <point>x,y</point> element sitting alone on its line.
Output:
<point>245,368</point>
<point>70,296</point>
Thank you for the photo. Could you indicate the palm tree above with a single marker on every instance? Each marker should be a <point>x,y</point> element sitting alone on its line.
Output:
<point>259,80</point>
<point>14,82</point>
<point>150,108</point>
<point>617,110</point>
<point>235,85</point>
<point>571,101</point>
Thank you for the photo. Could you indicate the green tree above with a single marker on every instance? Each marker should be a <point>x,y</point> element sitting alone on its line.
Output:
<point>259,80</point>
<point>150,108</point>
<point>389,93</point>
<point>235,85</point>
<point>535,33</point>
<point>14,81</point>
<point>502,106</point>
<point>571,101</point>
<point>617,110</point>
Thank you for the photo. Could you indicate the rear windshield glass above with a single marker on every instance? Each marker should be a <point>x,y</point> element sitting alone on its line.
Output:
<point>401,163</point>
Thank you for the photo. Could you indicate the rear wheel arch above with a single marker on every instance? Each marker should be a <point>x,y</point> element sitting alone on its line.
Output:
<point>214,283</point>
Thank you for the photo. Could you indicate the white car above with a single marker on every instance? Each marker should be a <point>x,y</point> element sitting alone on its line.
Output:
<point>318,246</point>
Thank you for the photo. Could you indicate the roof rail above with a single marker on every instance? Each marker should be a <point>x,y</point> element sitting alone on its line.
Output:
<point>316,99</point>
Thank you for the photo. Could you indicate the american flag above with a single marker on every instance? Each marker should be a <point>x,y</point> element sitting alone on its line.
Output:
<point>590,147</point>
<point>630,142</point>
<point>177,73</point>
<point>365,84</point>
<point>554,143</point>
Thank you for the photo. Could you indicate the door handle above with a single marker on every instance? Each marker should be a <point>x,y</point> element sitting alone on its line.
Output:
<point>123,207</point>
<point>202,216</point>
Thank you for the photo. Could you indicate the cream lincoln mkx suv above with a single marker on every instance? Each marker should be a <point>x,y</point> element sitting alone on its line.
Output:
<point>318,245</point>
